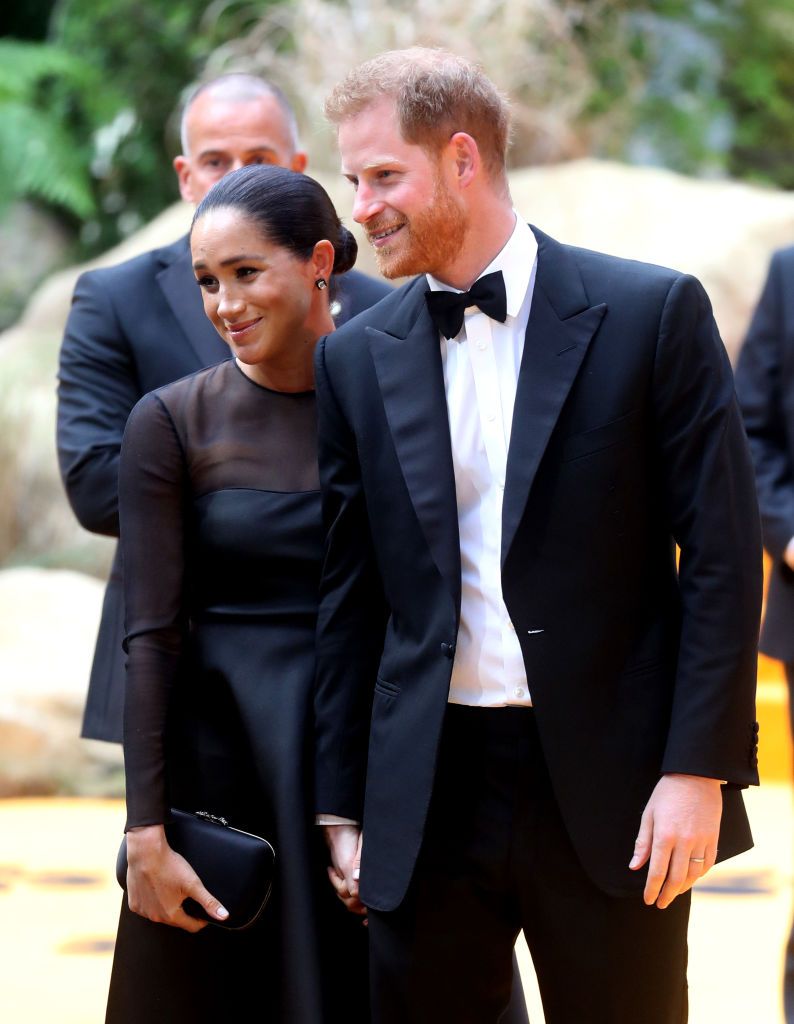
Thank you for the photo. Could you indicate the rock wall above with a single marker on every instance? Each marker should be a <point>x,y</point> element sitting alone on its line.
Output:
<point>48,622</point>
<point>722,232</point>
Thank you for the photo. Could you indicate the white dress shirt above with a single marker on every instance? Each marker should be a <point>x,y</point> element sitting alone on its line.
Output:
<point>481,367</point>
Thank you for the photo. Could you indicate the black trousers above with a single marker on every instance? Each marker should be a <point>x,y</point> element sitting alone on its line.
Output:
<point>496,860</point>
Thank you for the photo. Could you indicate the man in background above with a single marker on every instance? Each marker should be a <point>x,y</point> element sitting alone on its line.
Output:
<point>139,325</point>
<point>765,386</point>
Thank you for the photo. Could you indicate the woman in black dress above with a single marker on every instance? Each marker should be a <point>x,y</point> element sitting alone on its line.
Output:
<point>221,539</point>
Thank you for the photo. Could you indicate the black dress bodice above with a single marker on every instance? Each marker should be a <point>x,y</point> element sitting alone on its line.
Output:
<point>220,526</point>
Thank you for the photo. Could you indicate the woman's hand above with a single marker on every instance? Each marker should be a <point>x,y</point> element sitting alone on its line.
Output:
<point>160,880</point>
<point>344,843</point>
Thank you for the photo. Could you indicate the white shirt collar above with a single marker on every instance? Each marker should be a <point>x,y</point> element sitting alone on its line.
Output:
<point>516,260</point>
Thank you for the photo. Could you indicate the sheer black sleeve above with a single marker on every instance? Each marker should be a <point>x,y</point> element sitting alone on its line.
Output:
<point>152,490</point>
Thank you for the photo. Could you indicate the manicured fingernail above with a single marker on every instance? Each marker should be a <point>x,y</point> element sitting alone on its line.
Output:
<point>356,873</point>
<point>633,861</point>
<point>222,912</point>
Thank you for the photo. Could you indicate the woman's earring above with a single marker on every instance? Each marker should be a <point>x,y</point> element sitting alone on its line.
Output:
<point>321,283</point>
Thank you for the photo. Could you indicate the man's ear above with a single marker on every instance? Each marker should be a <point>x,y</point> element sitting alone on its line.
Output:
<point>182,168</point>
<point>465,155</point>
<point>298,162</point>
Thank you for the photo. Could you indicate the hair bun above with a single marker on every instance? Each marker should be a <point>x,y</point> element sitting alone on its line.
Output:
<point>345,251</point>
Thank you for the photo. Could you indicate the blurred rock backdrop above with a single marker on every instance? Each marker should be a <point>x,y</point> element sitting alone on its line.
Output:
<point>661,130</point>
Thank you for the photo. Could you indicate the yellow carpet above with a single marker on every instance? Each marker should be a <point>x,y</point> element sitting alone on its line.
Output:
<point>59,902</point>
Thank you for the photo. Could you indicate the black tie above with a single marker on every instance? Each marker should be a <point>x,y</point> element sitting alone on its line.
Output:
<point>487,293</point>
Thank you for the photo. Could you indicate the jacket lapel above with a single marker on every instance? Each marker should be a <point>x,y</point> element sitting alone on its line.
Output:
<point>407,358</point>
<point>561,325</point>
<point>178,284</point>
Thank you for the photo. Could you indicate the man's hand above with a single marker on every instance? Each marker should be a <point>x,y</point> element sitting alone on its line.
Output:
<point>344,843</point>
<point>678,835</point>
<point>159,880</point>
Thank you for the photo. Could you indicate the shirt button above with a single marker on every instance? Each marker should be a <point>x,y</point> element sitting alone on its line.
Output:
<point>490,416</point>
<point>481,345</point>
<point>518,692</point>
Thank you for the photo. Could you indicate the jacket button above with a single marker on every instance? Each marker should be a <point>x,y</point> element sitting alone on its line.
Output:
<point>448,650</point>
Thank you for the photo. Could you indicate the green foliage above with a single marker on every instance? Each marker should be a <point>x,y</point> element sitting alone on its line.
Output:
<point>88,120</point>
<point>38,155</point>
<point>717,90</point>
<point>758,86</point>
<point>144,52</point>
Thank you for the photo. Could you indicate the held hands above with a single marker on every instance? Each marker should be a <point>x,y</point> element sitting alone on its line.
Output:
<point>159,880</point>
<point>678,836</point>
<point>344,843</point>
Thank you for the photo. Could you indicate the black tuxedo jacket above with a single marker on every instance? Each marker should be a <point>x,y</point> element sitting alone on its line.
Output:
<point>626,439</point>
<point>765,385</point>
<point>133,328</point>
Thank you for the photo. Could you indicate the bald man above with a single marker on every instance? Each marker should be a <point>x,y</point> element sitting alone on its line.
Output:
<point>139,325</point>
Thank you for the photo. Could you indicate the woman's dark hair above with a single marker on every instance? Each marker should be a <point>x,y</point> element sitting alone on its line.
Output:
<point>292,210</point>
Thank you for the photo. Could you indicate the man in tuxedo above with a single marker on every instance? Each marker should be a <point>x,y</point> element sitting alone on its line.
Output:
<point>765,386</point>
<point>540,721</point>
<point>139,325</point>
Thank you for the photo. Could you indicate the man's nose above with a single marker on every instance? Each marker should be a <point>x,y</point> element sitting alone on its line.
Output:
<point>366,205</point>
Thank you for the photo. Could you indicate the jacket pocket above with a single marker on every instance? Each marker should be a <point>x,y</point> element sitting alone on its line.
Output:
<point>386,688</point>
<point>576,446</point>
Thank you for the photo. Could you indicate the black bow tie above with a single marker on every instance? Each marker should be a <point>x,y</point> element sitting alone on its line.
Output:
<point>487,293</point>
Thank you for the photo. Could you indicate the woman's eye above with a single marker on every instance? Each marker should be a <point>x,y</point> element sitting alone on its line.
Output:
<point>246,271</point>
<point>206,282</point>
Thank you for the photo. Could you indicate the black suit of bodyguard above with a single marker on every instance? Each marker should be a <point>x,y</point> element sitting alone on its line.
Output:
<point>765,384</point>
<point>133,328</point>
<point>626,440</point>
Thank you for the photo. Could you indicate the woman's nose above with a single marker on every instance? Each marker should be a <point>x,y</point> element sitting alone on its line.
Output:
<point>230,304</point>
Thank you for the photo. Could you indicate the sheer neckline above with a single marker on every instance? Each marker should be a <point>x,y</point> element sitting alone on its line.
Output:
<point>263,387</point>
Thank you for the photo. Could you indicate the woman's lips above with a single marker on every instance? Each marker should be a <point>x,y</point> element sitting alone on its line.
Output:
<point>236,331</point>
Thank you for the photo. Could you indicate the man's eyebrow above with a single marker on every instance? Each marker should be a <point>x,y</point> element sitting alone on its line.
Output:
<point>222,152</point>
<point>373,165</point>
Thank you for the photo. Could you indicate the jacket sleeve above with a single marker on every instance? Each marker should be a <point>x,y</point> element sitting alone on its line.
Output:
<point>713,513</point>
<point>351,614</point>
<point>760,386</point>
<point>97,388</point>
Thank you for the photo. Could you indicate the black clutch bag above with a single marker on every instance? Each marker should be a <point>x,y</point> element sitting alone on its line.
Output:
<point>236,867</point>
